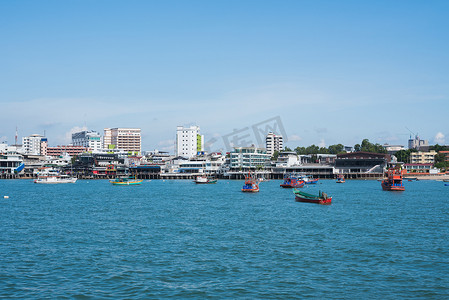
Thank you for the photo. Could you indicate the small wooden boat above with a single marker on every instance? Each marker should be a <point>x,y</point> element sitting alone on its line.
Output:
<point>341,179</point>
<point>445,180</point>
<point>251,184</point>
<point>126,181</point>
<point>322,198</point>
<point>309,180</point>
<point>393,182</point>
<point>292,181</point>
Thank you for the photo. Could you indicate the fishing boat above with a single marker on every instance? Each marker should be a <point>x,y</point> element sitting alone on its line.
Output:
<point>126,181</point>
<point>322,198</point>
<point>393,182</point>
<point>341,179</point>
<point>309,179</point>
<point>52,176</point>
<point>445,180</point>
<point>251,184</point>
<point>203,179</point>
<point>292,181</point>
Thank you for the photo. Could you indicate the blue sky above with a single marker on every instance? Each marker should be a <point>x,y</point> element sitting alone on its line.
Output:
<point>333,71</point>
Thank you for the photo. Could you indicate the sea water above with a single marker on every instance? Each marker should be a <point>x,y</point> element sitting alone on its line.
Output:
<point>177,239</point>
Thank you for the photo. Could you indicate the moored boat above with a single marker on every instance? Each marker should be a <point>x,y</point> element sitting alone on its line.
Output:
<point>126,181</point>
<point>309,179</point>
<point>292,181</point>
<point>203,179</point>
<point>52,176</point>
<point>393,182</point>
<point>251,184</point>
<point>341,179</point>
<point>322,198</point>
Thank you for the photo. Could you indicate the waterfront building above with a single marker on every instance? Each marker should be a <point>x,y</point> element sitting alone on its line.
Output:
<point>88,139</point>
<point>274,143</point>
<point>248,158</point>
<point>66,150</point>
<point>35,144</point>
<point>189,141</point>
<point>287,159</point>
<point>418,144</point>
<point>361,162</point>
<point>127,139</point>
<point>422,157</point>
<point>418,167</point>
<point>11,162</point>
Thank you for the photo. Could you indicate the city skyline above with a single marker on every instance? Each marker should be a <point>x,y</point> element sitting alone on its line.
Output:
<point>333,72</point>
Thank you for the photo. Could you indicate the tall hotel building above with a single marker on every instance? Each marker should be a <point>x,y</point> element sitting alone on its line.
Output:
<point>189,141</point>
<point>127,139</point>
<point>274,143</point>
<point>35,144</point>
<point>87,139</point>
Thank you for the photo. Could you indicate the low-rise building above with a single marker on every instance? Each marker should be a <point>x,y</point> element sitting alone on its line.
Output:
<point>418,168</point>
<point>392,149</point>
<point>66,150</point>
<point>361,162</point>
<point>422,157</point>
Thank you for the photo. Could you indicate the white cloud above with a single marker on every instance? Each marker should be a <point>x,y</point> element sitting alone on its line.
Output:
<point>294,138</point>
<point>68,135</point>
<point>439,138</point>
<point>322,143</point>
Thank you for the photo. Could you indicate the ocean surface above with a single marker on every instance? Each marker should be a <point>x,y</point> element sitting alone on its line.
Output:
<point>176,239</point>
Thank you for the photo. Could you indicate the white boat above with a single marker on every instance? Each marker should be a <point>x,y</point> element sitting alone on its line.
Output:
<point>52,176</point>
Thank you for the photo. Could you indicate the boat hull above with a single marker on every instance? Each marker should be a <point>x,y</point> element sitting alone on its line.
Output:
<point>388,187</point>
<point>138,182</point>
<point>40,181</point>
<point>326,201</point>
<point>250,190</point>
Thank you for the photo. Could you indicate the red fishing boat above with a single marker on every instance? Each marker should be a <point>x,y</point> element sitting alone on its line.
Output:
<point>292,181</point>
<point>251,185</point>
<point>322,198</point>
<point>393,182</point>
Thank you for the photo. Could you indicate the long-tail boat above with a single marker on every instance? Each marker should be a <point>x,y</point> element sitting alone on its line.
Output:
<point>322,198</point>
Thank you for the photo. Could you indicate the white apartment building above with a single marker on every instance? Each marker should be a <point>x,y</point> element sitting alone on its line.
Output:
<point>189,141</point>
<point>87,139</point>
<point>128,139</point>
<point>274,143</point>
<point>35,144</point>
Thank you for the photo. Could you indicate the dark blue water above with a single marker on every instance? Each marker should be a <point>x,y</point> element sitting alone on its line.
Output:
<point>177,239</point>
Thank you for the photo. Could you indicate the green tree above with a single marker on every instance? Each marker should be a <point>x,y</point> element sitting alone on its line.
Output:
<point>300,150</point>
<point>275,155</point>
<point>357,148</point>
<point>336,149</point>
<point>287,149</point>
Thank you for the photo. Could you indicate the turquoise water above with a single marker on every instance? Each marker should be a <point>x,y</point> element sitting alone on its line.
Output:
<point>177,239</point>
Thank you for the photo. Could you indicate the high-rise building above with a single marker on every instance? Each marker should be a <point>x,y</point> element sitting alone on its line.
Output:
<point>274,143</point>
<point>418,144</point>
<point>87,139</point>
<point>127,139</point>
<point>35,144</point>
<point>189,141</point>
